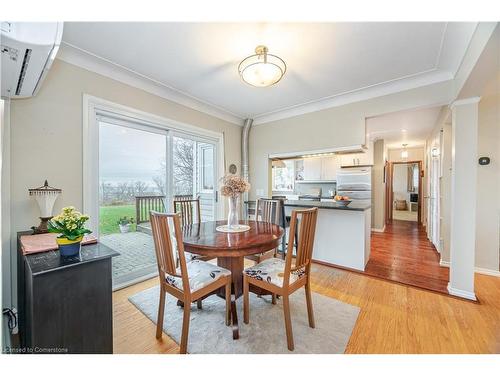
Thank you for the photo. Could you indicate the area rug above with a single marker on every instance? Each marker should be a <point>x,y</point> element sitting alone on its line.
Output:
<point>265,334</point>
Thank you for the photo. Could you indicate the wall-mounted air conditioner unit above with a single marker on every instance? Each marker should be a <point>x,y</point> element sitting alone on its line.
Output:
<point>28,50</point>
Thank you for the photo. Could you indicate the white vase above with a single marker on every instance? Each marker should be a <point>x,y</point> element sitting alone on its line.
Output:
<point>233,217</point>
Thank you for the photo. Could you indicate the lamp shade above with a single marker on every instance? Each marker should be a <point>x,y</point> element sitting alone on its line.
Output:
<point>45,196</point>
<point>262,69</point>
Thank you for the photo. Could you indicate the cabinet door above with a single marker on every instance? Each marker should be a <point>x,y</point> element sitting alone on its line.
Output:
<point>329,167</point>
<point>365,158</point>
<point>347,160</point>
<point>312,169</point>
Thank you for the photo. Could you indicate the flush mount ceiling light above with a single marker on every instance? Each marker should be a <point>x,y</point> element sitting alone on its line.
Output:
<point>262,69</point>
<point>404,153</point>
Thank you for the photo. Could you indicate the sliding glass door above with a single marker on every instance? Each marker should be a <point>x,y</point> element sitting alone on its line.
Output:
<point>132,160</point>
<point>143,167</point>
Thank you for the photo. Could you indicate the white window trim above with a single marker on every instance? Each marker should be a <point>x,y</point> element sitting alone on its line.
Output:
<point>91,106</point>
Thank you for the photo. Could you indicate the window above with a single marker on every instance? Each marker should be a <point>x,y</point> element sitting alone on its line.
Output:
<point>283,175</point>
<point>206,167</point>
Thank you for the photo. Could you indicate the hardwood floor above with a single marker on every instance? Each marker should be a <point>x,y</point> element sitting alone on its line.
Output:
<point>394,318</point>
<point>404,254</point>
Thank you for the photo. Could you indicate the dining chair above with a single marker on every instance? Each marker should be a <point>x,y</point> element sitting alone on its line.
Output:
<point>267,210</point>
<point>190,282</point>
<point>283,277</point>
<point>190,213</point>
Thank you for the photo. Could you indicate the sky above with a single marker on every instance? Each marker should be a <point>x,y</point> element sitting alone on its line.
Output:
<point>127,154</point>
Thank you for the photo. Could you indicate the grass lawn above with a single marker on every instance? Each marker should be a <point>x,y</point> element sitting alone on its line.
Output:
<point>109,215</point>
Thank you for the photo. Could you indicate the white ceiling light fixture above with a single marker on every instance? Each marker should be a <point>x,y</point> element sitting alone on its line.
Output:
<point>404,153</point>
<point>262,69</point>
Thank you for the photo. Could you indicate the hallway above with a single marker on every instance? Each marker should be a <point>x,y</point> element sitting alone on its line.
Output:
<point>404,254</point>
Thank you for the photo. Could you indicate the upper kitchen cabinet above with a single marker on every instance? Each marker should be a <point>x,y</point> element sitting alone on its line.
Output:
<point>320,168</point>
<point>312,169</point>
<point>357,159</point>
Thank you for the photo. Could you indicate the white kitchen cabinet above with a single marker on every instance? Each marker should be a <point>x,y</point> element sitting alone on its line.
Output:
<point>361,158</point>
<point>321,169</point>
<point>312,169</point>
<point>329,166</point>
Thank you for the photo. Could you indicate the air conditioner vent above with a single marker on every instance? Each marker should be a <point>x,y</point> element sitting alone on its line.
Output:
<point>26,60</point>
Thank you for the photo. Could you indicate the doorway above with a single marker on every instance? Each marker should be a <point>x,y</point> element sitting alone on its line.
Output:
<point>404,191</point>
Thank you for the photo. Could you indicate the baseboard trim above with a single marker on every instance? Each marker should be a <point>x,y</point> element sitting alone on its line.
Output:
<point>461,293</point>
<point>379,230</point>
<point>482,271</point>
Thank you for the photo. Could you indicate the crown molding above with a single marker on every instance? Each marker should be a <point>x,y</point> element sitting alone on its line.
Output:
<point>381,89</point>
<point>86,60</point>
<point>473,100</point>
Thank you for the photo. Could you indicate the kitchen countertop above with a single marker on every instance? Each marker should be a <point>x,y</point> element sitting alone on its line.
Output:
<point>353,206</point>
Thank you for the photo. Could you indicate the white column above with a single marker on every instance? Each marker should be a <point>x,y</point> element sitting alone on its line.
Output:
<point>463,197</point>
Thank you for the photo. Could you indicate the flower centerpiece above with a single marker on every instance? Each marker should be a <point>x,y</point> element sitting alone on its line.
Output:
<point>70,224</point>
<point>124,223</point>
<point>232,187</point>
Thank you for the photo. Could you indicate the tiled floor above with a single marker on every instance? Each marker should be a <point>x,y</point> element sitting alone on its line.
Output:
<point>137,255</point>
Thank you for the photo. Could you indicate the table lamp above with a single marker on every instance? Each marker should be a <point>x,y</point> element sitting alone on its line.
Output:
<point>45,196</point>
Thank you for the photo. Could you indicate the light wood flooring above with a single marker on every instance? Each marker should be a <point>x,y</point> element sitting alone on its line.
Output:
<point>394,318</point>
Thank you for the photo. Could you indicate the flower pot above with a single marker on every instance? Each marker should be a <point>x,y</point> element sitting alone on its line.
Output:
<point>124,228</point>
<point>69,248</point>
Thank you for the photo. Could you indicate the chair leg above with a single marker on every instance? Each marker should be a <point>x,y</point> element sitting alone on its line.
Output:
<point>310,312</point>
<point>228,301</point>
<point>274,299</point>
<point>246,301</point>
<point>199,304</point>
<point>288,322</point>
<point>185,328</point>
<point>161,312</point>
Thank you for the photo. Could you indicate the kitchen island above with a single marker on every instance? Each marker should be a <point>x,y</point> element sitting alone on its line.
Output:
<point>342,233</point>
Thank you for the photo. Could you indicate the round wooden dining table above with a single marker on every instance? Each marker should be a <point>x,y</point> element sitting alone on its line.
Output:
<point>230,250</point>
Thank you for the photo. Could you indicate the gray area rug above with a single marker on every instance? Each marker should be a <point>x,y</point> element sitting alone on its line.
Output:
<point>265,334</point>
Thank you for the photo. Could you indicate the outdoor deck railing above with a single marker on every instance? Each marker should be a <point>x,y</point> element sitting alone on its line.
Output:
<point>146,203</point>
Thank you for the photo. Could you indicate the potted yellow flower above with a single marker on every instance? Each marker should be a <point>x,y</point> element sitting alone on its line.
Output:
<point>70,224</point>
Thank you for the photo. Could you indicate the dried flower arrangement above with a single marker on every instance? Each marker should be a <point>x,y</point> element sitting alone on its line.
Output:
<point>233,185</point>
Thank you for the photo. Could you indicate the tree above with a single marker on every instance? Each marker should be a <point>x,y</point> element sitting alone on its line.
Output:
<point>183,166</point>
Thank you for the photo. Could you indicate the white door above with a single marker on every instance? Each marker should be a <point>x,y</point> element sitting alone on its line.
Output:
<point>194,172</point>
<point>434,218</point>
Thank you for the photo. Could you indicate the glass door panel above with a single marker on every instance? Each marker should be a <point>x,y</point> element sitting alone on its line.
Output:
<point>132,181</point>
<point>194,172</point>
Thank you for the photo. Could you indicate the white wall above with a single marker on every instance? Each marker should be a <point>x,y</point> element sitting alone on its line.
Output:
<point>5,254</point>
<point>378,185</point>
<point>484,81</point>
<point>46,135</point>
<point>414,154</point>
<point>333,127</point>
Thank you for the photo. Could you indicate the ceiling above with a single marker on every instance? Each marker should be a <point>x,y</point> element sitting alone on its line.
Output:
<point>410,127</point>
<point>197,62</point>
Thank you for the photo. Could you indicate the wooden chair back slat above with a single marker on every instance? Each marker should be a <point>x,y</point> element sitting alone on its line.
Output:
<point>188,209</point>
<point>306,226</point>
<point>268,210</point>
<point>164,248</point>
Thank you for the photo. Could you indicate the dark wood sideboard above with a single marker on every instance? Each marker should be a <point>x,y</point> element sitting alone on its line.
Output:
<point>65,304</point>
